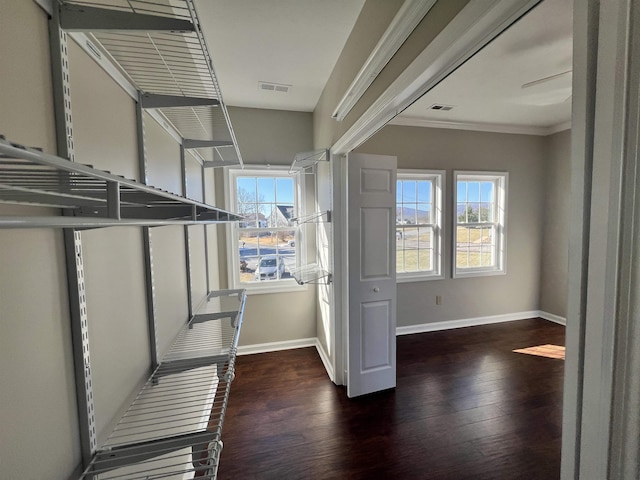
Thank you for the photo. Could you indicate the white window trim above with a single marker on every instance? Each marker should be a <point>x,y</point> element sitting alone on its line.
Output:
<point>233,255</point>
<point>501,231</point>
<point>440,182</point>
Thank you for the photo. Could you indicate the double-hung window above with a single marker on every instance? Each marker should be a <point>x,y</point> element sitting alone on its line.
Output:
<point>479,223</point>
<point>419,196</point>
<point>265,245</point>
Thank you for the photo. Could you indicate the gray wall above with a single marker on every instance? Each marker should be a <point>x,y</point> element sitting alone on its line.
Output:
<point>38,413</point>
<point>555,251</point>
<point>274,137</point>
<point>520,155</point>
<point>105,136</point>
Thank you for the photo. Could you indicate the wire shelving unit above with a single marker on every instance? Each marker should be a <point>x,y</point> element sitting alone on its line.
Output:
<point>173,427</point>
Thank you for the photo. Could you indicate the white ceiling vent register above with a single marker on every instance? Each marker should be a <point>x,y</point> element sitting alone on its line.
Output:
<point>439,106</point>
<point>274,87</point>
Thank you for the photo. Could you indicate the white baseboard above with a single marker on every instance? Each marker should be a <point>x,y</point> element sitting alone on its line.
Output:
<point>276,346</point>
<point>465,322</point>
<point>325,360</point>
<point>408,330</point>
<point>553,318</point>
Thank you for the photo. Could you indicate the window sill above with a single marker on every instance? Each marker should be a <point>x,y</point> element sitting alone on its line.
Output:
<point>478,273</point>
<point>410,278</point>
<point>280,287</point>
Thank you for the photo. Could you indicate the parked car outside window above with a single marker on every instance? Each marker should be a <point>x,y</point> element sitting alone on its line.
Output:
<point>270,268</point>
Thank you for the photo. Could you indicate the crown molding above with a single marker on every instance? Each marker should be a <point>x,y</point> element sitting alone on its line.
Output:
<point>480,127</point>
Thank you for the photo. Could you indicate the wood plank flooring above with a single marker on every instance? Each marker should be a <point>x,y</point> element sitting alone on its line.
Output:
<point>465,407</point>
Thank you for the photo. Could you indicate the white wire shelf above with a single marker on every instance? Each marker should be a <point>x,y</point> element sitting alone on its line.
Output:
<point>311,274</point>
<point>91,197</point>
<point>173,427</point>
<point>306,160</point>
<point>161,60</point>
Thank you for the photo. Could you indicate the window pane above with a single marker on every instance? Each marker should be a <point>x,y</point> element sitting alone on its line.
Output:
<point>248,246</point>
<point>487,192</point>
<point>473,192</point>
<point>424,259</point>
<point>425,236</point>
<point>475,247</point>
<point>411,260</point>
<point>284,191</point>
<point>409,191</point>
<point>266,255</point>
<point>424,192</point>
<point>462,258</point>
<point>423,213</point>
<point>266,190</point>
<point>461,212</point>
<point>414,249</point>
<point>486,212</point>
<point>246,189</point>
<point>462,191</point>
<point>399,191</point>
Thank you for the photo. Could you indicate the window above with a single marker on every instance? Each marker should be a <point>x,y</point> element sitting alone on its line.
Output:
<point>419,225</point>
<point>480,223</point>
<point>266,243</point>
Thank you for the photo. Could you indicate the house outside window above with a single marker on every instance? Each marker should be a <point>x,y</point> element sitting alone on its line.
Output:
<point>480,223</point>
<point>419,195</point>
<point>265,246</point>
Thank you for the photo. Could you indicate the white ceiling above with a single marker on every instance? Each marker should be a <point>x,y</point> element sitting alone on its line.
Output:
<point>487,90</point>
<point>297,43</point>
<point>291,42</point>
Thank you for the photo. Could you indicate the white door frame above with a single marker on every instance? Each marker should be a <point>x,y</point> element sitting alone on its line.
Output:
<point>600,418</point>
<point>601,392</point>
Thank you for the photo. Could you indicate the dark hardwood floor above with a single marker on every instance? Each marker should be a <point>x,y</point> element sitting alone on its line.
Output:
<point>465,407</point>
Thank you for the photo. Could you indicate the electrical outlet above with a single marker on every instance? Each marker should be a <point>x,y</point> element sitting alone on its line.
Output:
<point>438,300</point>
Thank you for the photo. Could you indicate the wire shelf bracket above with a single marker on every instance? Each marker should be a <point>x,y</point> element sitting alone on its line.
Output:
<point>304,162</point>
<point>315,217</point>
<point>311,274</point>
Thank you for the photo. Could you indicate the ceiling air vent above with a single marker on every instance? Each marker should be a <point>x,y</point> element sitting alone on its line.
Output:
<point>274,87</point>
<point>439,106</point>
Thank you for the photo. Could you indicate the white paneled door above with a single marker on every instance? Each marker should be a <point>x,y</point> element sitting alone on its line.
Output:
<point>372,284</point>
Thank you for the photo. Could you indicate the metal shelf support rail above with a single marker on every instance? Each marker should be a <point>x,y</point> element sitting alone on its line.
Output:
<point>72,244</point>
<point>174,425</point>
<point>95,197</point>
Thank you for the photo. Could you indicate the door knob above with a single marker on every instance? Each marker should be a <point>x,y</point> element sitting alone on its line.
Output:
<point>376,289</point>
